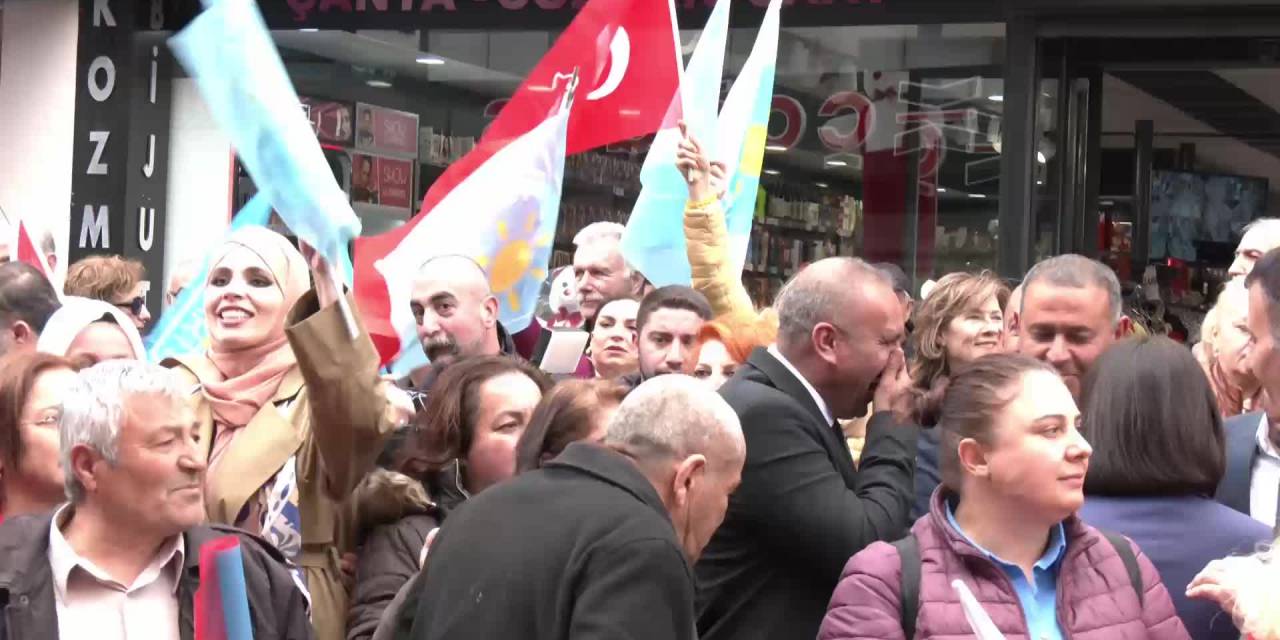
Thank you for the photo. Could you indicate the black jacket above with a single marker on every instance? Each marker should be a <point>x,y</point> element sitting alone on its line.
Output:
<point>1242,450</point>
<point>801,511</point>
<point>581,548</point>
<point>276,606</point>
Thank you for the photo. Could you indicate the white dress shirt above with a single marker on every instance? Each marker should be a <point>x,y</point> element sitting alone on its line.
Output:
<point>1264,486</point>
<point>91,604</point>
<point>822,404</point>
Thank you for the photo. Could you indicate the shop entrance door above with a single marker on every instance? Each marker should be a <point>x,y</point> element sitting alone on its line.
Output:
<point>1194,106</point>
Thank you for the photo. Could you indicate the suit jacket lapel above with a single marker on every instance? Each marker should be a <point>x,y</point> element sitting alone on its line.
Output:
<point>1242,450</point>
<point>786,382</point>
<point>268,441</point>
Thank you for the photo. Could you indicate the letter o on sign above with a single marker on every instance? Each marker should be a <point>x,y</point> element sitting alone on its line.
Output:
<point>100,92</point>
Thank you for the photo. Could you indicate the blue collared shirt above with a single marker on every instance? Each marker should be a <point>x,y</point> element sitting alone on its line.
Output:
<point>1040,600</point>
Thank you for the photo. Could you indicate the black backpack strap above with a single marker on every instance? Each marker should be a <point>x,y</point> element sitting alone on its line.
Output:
<point>909,594</point>
<point>1130,560</point>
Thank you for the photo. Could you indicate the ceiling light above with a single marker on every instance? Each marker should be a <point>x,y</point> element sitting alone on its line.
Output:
<point>941,189</point>
<point>821,185</point>
<point>774,147</point>
<point>379,84</point>
<point>977,195</point>
<point>432,60</point>
<point>837,163</point>
<point>308,30</point>
<point>996,98</point>
<point>772,172</point>
<point>1040,157</point>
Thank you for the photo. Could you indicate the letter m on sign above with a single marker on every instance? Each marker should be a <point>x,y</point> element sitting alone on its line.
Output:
<point>94,229</point>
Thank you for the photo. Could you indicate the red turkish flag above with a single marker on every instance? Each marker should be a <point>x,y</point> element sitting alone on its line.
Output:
<point>627,55</point>
<point>26,251</point>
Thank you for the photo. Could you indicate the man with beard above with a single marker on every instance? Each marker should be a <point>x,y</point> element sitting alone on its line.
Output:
<point>457,315</point>
<point>802,509</point>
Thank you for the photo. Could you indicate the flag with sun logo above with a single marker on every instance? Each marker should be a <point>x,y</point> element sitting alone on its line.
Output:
<point>503,216</point>
<point>744,128</point>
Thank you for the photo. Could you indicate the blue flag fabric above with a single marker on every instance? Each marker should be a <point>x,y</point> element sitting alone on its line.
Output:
<point>743,130</point>
<point>229,52</point>
<point>654,240</point>
<point>182,329</point>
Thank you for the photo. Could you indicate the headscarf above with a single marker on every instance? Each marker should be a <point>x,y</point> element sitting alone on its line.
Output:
<point>75,315</point>
<point>252,375</point>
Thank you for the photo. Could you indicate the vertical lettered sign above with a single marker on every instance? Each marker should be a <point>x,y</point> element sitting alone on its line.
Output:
<point>119,158</point>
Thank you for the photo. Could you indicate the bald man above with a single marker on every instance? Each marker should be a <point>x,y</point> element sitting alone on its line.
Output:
<point>456,313</point>
<point>598,542</point>
<point>1262,235</point>
<point>803,509</point>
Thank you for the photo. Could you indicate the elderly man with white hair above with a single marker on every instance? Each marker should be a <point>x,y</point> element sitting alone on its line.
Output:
<point>600,270</point>
<point>600,541</point>
<point>121,559</point>
<point>1262,235</point>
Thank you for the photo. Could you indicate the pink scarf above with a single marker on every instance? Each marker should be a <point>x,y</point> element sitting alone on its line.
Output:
<point>252,376</point>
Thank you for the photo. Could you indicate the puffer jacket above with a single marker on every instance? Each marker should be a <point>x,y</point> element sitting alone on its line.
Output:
<point>707,245</point>
<point>1096,598</point>
<point>395,516</point>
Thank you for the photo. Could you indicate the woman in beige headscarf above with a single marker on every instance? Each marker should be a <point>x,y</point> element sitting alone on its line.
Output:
<point>292,411</point>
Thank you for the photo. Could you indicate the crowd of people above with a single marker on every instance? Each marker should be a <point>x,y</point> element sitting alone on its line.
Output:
<point>851,462</point>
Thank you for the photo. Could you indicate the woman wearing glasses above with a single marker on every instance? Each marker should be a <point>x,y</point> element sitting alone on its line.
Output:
<point>90,331</point>
<point>31,390</point>
<point>117,281</point>
<point>292,412</point>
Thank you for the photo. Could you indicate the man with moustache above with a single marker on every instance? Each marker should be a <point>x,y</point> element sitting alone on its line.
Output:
<point>802,509</point>
<point>121,559</point>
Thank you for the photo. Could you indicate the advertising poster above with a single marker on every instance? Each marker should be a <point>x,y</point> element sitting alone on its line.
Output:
<point>381,181</point>
<point>385,131</point>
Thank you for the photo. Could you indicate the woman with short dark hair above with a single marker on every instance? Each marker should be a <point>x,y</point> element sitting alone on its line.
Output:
<point>571,411</point>
<point>31,389</point>
<point>1158,457</point>
<point>466,442</point>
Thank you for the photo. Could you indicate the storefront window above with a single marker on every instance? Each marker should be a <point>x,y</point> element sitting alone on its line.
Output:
<point>884,142</point>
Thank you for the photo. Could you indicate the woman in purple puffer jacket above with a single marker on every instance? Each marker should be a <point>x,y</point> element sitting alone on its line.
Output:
<point>1003,522</point>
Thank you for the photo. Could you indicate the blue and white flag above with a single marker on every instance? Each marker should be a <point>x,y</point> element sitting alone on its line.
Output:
<point>228,50</point>
<point>743,129</point>
<point>503,216</point>
<point>654,240</point>
<point>182,329</point>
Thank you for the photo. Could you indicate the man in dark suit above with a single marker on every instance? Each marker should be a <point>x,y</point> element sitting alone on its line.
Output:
<point>599,542</point>
<point>803,510</point>
<point>1252,482</point>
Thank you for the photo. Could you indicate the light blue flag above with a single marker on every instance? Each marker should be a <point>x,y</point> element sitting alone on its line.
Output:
<point>182,329</point>
<point>654,240</point>
<point>743,130</point>
<point>229,52</point>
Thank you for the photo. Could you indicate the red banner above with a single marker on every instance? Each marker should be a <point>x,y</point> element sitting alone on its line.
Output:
<point>386,131</point>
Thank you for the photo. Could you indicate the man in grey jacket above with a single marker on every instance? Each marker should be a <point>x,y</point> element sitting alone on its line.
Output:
<point>121,559</point>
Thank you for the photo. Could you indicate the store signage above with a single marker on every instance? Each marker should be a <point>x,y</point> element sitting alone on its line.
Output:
<point>381,181</point>
<point>454,14</point>
<point>386,131</point>
<point>121,135</point>
<point>331,121</point>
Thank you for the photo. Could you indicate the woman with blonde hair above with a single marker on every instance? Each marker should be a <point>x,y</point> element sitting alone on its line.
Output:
<point>961,320</point>
<point>1224,336</point>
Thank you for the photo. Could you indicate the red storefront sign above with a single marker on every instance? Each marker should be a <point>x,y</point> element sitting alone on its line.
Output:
<point>381,181</point>
<point>331,121</point>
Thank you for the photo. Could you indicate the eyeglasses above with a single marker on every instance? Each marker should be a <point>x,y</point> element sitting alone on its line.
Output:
<point>134,306</point>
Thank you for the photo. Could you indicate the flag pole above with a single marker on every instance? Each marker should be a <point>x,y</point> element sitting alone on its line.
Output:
<point>348,318</point>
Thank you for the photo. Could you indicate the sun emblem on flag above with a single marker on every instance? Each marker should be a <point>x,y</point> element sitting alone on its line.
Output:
<point>509,267</point>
